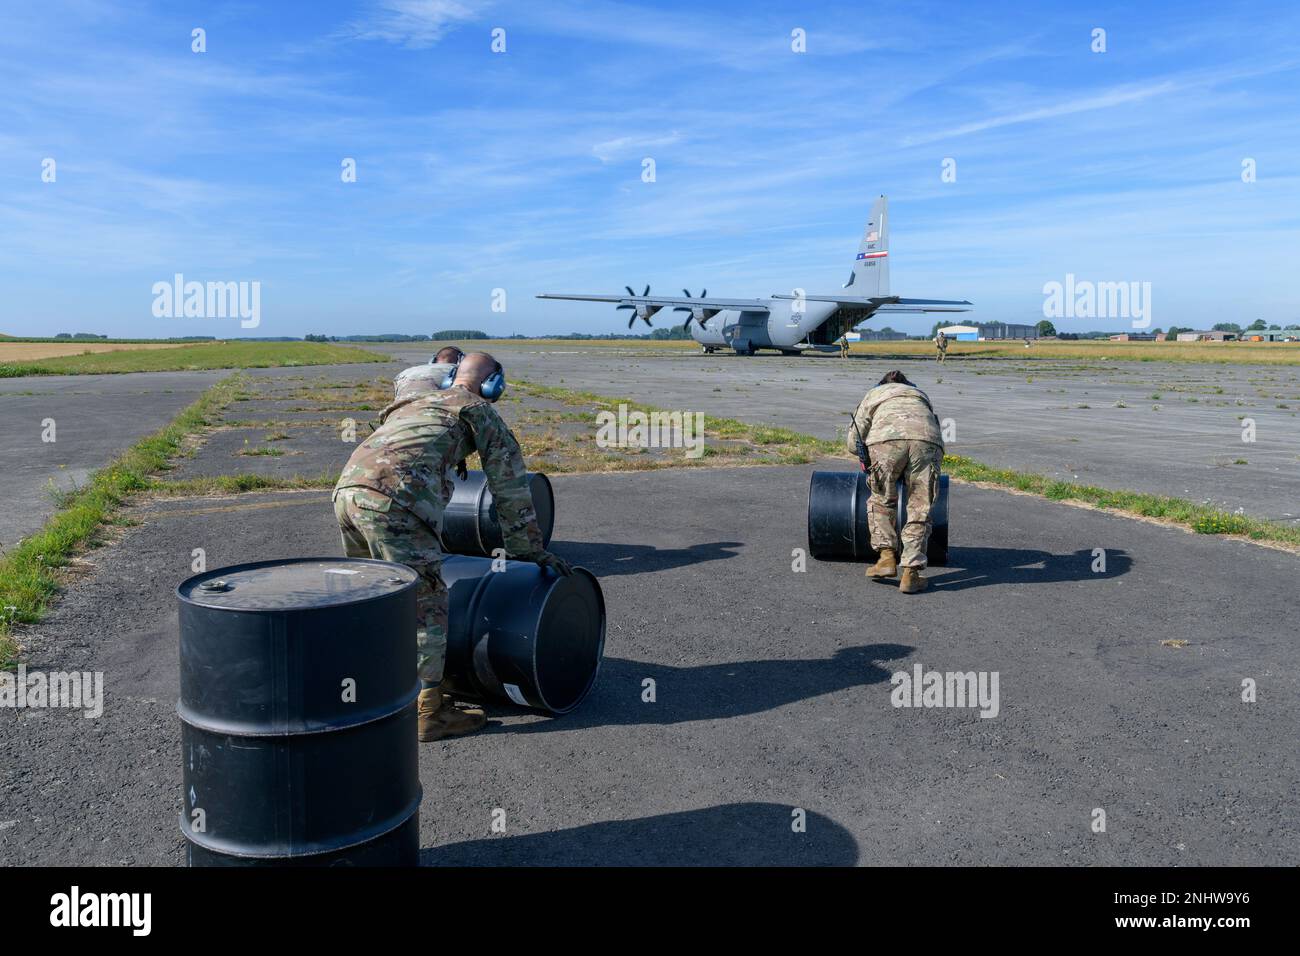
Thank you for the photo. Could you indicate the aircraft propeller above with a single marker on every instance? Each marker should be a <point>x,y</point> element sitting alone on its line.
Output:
<point>690,310</point>
<point>636,313</point>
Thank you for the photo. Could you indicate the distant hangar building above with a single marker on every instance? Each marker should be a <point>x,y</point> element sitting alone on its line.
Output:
<point>1007,330</point>
<point>990,330</point>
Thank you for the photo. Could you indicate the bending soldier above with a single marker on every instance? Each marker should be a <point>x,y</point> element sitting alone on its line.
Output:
<point>903,443</point>
<point>390,499</point>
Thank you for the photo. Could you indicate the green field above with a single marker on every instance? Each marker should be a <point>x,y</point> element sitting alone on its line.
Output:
<point>202,355</point>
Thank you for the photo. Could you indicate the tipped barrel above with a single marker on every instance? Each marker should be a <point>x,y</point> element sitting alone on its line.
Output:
<point>298,714</point>
<point>522,634</point>
<point>470,524</point>
<point>837,517</point>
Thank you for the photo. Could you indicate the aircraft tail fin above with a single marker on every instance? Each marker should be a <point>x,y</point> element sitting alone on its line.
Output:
<point>870,275</point>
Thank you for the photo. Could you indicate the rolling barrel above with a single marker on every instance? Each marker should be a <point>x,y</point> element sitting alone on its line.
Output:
<point>837,517</point>
<point>298,714</point>
<point>470,524</point>
<point>523,634</point>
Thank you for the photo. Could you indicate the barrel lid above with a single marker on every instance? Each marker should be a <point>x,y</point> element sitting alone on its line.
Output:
<point>295,584</point>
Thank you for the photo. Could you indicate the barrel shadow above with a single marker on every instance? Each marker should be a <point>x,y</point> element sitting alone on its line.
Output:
<point>733,834</point>
<point>711,691</point>
<point>606,560</point>
<point>982,567</point>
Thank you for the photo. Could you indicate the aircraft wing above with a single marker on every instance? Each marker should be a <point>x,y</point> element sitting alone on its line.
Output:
<point>661,302</point>
<point>889,303</point>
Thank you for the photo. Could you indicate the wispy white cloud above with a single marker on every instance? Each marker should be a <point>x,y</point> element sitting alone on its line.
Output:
<point>625,146</point>
<point>522,171</point>
<point>412,23</point>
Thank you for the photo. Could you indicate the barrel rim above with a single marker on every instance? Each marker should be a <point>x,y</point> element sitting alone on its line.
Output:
<point>384,828</point>
<point>280,562</point>
<point>858,480</point>
<point>240,729</point>
<point>478,512</point>
<point>600,656</point>
<point>547,533</point>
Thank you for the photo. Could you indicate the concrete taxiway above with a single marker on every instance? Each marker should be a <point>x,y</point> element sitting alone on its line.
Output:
<point>1120,682</point>
<point>95,417</point>
<point>773,693</point>
<point>1155,427</point>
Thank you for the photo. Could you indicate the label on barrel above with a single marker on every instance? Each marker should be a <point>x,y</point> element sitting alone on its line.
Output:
<point>513,692</point>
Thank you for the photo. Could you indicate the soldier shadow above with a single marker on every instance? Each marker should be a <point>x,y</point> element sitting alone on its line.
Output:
<point>711,691</point>
<point>606,560</point>
<point>983,567</point>
<point>732,834</point>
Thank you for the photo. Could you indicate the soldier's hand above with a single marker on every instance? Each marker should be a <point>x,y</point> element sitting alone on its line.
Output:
<point>554,562</point>
<point>462,472</point>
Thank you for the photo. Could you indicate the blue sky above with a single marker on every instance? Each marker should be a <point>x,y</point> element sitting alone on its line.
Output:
<point>522,170</point>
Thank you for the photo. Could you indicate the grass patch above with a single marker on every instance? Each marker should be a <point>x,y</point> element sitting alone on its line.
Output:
<point>796,448</point>
<point>29,572</point>
<point>237,484</point>
<point>1202,519</point>
<point>726,440</point>
<point>203,355</point>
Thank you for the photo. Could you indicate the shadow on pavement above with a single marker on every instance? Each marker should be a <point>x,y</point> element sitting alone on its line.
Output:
<point>733,834</point>
<point>605,560</point>
<point>979,567</point>
<point>712,691</point>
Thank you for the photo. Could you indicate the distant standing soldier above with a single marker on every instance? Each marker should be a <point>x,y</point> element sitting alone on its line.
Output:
<point>897,425</point>
<point>390,499</point>
<point>844,345</point>
<point>941,344</point>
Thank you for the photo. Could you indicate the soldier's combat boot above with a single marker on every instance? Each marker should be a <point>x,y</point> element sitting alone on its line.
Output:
<point>912,581</point>
<point>439,717</point>
<point>886,565</point>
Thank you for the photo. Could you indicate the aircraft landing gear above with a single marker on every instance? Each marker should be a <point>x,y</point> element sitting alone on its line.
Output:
<point>706,349</point>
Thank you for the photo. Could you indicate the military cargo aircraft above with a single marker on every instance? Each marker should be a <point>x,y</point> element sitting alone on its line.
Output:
<point>792,323</point>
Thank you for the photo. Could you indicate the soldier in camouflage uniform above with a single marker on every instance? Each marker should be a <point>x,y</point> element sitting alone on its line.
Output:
<point>902,440</point>
<point>941,343</point>
<point>390,499</point>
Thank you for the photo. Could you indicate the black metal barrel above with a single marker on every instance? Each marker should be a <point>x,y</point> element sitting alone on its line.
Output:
<point>470,524</point>
<point>522,634</point>
<point>837,517</point>
<point>298,713</point>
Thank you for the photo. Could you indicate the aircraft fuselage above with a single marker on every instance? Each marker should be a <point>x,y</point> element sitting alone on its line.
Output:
<point>787,324</point>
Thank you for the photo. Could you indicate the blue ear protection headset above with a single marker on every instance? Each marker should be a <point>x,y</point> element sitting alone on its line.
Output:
<point>493,386</point>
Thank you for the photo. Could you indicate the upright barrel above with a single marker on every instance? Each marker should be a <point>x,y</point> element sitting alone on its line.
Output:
<point>470,524</point>
<point>298,714</point>
<point>837,517</point>
<point>523,634</point>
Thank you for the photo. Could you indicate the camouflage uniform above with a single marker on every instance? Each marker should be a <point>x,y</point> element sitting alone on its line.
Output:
<point>420,380</point>
<point>903,439</point>
<point>941,343</point>
<point>390,499</point>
